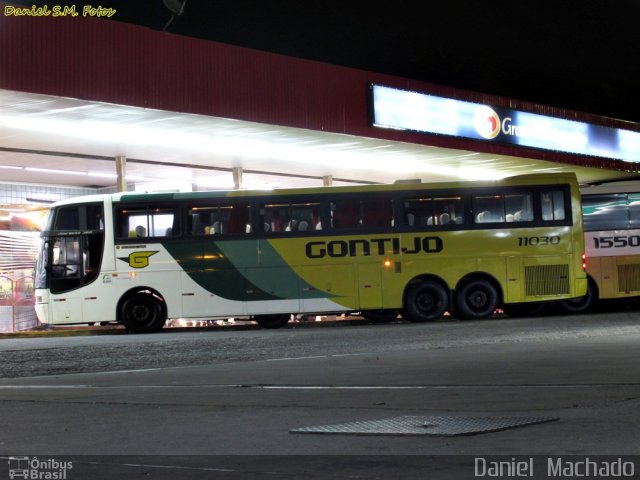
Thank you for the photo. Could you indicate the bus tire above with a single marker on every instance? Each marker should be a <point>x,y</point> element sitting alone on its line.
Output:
<point>277,320</point>
<point>143,313</point>
<point>425,301</point>
<point>476,299</point>
<point>380,316</point>
<point>581,304</point>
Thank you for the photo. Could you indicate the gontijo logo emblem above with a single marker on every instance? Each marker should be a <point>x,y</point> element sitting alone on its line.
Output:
<point>138,259</point>
<point>486,122</point>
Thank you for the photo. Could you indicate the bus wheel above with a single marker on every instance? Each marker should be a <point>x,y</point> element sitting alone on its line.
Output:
<point>272,321</point>
<point>425,302</point>
<point>582,304</point>
<point>476,299</point>
<point>380,316</point>
<point>143,313</point>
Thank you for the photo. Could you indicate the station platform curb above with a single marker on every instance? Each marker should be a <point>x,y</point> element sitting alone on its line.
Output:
<point>86,331</point>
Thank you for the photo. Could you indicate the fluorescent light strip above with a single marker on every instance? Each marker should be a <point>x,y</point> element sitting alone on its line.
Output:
<point>51,170</point>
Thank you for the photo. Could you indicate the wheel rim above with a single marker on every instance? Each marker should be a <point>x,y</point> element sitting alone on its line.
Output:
<point>478,299</point>
<point>141,314</point>
<point>426,302</point>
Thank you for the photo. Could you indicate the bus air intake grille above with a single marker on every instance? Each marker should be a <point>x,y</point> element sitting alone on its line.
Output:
<point>628,278</point>
<point>543,280</point>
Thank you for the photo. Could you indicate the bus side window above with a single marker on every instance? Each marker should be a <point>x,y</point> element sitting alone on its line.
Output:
<point>552,205</point>
<point>607,212</point>
<point>276,218</point>
<point>634,210</point>
<point>518,208</point>
<point>377,212</point>
<point>345,213</point>
<point>163,222</point>
<point>488,208</point>
<point>239,221</point>
<point>448,211</point>
<point>418,212</point>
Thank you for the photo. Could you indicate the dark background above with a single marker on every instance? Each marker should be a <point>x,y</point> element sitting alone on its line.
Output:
<point>580,55</point>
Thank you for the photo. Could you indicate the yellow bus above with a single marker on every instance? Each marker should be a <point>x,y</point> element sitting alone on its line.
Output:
<point>611,215</point>
<point>413,249</point>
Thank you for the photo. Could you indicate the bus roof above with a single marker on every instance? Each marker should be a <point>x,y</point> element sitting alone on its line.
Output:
<point>532,179</point>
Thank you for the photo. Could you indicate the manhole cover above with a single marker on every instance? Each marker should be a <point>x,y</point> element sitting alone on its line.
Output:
<point>417,425</point>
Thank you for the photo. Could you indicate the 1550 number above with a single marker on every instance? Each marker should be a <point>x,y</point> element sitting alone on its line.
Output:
<point>617,241</point>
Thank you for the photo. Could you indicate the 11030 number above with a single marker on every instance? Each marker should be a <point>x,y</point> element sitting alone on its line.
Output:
<point>534,241</point>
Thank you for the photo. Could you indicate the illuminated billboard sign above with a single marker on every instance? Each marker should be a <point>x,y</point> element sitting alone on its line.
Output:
<point>419,112</point>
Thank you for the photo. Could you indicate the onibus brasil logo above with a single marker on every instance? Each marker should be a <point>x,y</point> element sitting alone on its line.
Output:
<point>35,468</point>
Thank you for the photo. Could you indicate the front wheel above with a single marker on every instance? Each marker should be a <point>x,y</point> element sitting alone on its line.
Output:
<point>425,301</point>
<point>143,313</point>
<point>272,321</point>
<point>476,299</point>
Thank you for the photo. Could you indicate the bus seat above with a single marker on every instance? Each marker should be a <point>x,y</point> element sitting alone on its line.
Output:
<point>140,231</point>
<point>509,217</point>
<point>483,217</point>
<point>429,220</point>
<point>303,226</point>
<point>411,218</point>
<point>445,218</point>
<point>216,228</point>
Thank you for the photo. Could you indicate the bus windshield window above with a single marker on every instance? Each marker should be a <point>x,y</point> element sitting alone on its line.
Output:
<point>78,217</point>
<point>67,218</point>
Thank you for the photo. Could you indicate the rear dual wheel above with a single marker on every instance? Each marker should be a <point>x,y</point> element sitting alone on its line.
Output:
<point>476,299</point>
<point>425,301</point>
<point>582,304</point>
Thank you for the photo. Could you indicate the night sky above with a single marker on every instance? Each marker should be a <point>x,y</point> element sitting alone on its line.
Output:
<point>580,55</point>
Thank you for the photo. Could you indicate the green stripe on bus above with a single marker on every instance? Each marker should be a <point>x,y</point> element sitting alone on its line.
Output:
<point>232,270</point>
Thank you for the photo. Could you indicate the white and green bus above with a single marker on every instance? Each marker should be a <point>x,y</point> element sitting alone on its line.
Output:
<point>417,250</point>
<point>611,215</point>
